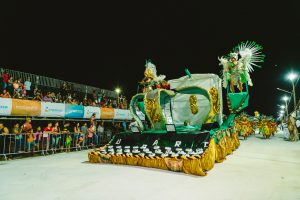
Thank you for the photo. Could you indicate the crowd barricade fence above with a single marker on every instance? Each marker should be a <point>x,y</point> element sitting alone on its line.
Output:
<point>31,144</point>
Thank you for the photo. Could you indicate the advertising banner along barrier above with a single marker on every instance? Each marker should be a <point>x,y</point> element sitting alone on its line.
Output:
<point>89,110</point>
<point>107,113</point>
<point>53,109</point>
<point>25,107</point>
<point>122,114</point>
<point>74,111</point>
<point>5,106</point>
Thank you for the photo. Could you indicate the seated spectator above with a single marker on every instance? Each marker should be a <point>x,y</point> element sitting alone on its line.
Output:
<point>58,98</point>
<point>5,94</point>
<point>38,95</point>
<point>47,98</point>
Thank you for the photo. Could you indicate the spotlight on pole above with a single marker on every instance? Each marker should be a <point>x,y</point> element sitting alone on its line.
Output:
<point>285,98</point>
<point>282,107</point>
<point>292,76</point>
<point>118,90</point>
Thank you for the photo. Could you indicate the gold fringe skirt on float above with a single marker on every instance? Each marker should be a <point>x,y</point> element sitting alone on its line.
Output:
<point>196,165</point>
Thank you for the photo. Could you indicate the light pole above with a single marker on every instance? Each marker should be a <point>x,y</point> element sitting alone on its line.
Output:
<point>292,77</point>
<point>118,91</point>
<point>284,90</point>
<point>285,98</point>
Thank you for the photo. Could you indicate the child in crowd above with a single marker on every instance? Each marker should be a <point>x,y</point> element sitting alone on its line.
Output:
<point>38,137</point>
<point>68,142</point>
<point>30,142</point>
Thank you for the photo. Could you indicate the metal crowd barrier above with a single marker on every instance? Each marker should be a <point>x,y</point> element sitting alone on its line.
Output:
<point>48,143</point>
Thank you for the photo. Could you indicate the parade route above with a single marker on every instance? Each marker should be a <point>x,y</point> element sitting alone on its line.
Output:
<point>259,169</point>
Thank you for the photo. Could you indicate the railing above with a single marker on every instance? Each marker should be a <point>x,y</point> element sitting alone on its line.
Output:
<point>56,83</point>
<point>48,143</point>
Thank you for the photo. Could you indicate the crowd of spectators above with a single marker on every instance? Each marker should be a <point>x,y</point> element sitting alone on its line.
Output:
<point>12,87</point>
<point>50,136</point>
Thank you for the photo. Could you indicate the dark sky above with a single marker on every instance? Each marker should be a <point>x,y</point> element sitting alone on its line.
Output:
<point>106,44</point>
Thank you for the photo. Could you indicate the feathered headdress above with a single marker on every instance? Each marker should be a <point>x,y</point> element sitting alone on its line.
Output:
<point>251,54</point>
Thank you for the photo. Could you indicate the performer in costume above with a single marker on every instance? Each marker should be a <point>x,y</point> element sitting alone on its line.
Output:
<point>151,79</point>
<point>265,130</point>
<point>236,71</point>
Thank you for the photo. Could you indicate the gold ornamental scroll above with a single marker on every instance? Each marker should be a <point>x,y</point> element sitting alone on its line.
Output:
<point>215,101</point>
<point>152,109</point>
<point>194,104</point>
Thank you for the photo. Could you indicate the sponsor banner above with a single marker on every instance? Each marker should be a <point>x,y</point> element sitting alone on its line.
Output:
<point>89,110</point>
<point>5,106</point>
<point>74,111</point>
<point>107,113</point>
<point>53,109</point>
<point>122,114</point>
<point>25,107</point>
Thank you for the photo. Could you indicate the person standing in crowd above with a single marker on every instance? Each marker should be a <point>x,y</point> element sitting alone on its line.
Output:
<point>92,119</point>
<point>1,80</point>
<point>55,136</point>
<point>46,136</point>
<point>5,78</point>
<point>38,137</point>
<point>77,135</point>
<point>99,97</point>
<point>66,135</point>
<point>68,142</point>
<point>94,96</point>
<point>16,94</point>
<point>26,127</point>
<point>18,138</point>
<point>90,136</point>
<point>28,87</point>
<point>3,138</point>
<point>30,142</point>
<point>100,132</point>
<point>84,132</point>
<point>10,87</point>
<point>23,91</point>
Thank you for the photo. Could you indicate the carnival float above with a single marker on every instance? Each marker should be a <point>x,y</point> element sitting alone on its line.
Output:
<point>184,129</point>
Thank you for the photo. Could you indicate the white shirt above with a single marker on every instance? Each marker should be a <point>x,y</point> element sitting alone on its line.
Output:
<point>100,129</point>
<point>27,85</point>
<point>298,123</point>
<point>133,124</point>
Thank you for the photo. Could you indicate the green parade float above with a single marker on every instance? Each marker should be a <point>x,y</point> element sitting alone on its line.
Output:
<point>183,128</point>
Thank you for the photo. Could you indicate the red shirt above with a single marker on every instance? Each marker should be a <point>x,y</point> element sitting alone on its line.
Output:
<point>48,129</point>
<point>5,77</point>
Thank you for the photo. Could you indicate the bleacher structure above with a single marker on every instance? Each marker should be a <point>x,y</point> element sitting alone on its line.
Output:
<point>57,83</point>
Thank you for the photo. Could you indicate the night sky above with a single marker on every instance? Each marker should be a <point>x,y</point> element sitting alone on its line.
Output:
<point>106,45</point>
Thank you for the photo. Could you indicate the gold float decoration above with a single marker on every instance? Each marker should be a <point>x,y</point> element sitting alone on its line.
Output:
<point>194,104</point>
<point>151,108</point>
